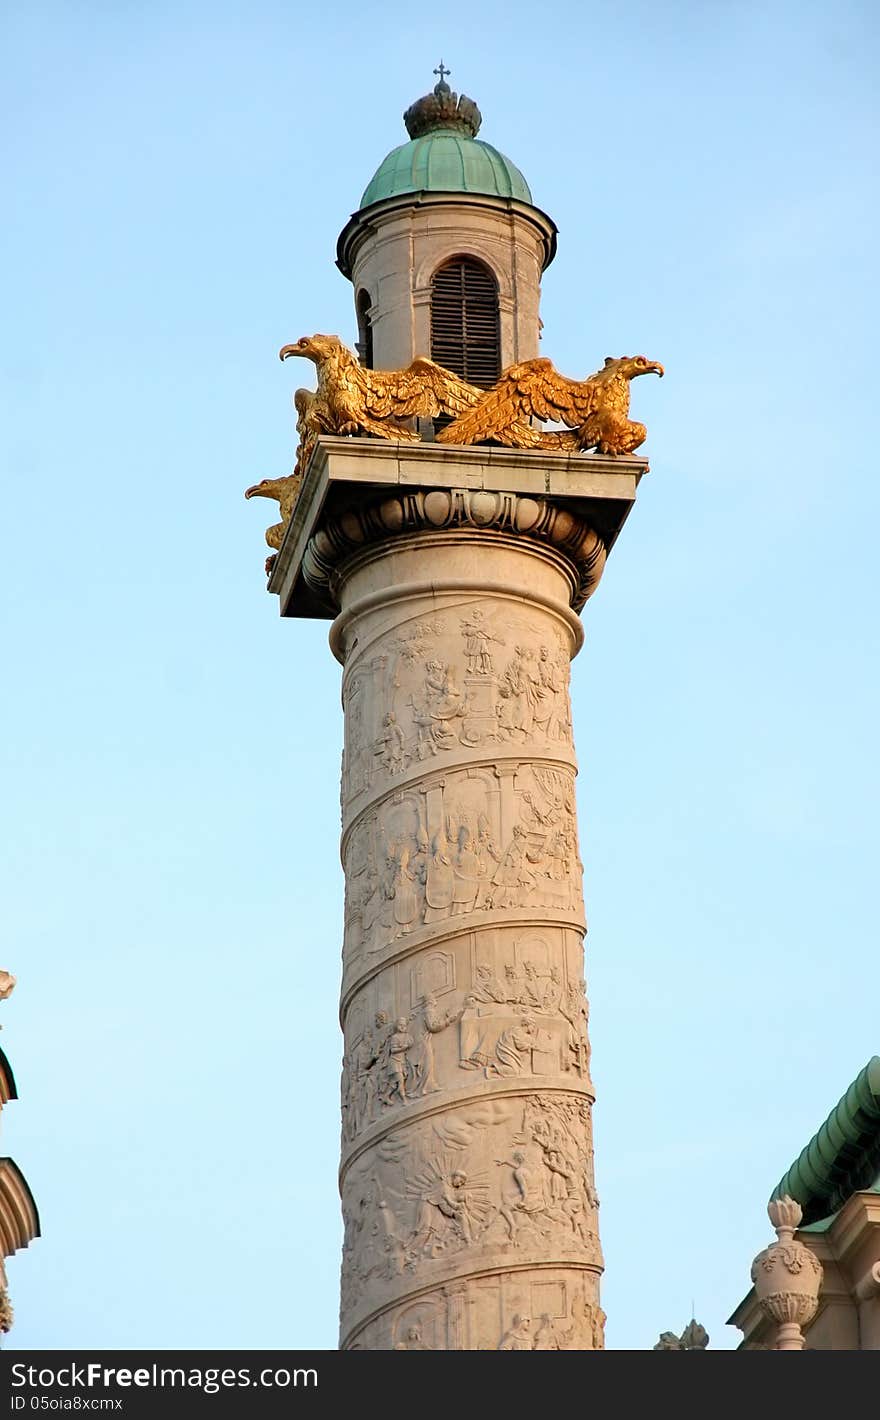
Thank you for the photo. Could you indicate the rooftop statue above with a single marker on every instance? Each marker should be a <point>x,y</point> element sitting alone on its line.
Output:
<point>596,410</point>
<point>694,1338</point>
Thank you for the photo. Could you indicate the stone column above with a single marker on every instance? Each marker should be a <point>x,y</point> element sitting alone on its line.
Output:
<point>467,1153</point>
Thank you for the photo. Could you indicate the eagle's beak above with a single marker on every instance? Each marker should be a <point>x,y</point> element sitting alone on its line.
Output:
<point>658,367</point>
<point>253,491</point>
<point>287,350</point>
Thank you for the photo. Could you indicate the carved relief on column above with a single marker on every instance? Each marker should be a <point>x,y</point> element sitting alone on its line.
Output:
<point>479,1009</point>
<point>497,1185</point>
<point>551,1309</point>
<point>490,842</point>
<point>476,678</point>
<point>467,1159</point>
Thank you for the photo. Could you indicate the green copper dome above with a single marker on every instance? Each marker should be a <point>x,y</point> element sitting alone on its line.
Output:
<point>444,154</point>
<point>444,161</point>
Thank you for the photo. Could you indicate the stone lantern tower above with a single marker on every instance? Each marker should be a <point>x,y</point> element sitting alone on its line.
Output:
<point>447,219</point>
<point>454,575</point>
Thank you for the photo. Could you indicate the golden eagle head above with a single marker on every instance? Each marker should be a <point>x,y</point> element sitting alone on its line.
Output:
<point>313,347</point>
<point>264,489</point>
<point>631,365</point>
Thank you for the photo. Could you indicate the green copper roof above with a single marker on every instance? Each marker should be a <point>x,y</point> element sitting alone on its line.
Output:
<point>843,1157</point>
<point>446,161</point>
<point>443,159</point>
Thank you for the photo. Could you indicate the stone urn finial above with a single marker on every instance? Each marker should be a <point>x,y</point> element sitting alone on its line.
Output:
<point>785,1214</point>
<point>787,1277</point>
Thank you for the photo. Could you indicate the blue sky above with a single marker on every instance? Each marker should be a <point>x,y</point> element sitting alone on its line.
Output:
<point>175,178</point>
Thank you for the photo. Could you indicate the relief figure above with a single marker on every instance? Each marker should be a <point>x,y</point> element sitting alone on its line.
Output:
<point>444,1215</point>
<point>413,1341</point>
<point>525,1196</point>
<point>468,872</point>
<point>439,881</point>
<point>476,644</point>
<point>513,1050</point>
<point>519,1336</point>
<point>390,748</point>
<point>392,1063</point>
<point>433,1020</point>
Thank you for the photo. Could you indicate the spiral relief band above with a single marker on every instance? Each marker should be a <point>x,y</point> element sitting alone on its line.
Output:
<point>471,1218</point>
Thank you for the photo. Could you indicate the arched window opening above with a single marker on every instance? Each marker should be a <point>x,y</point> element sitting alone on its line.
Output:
<point>365,329</point>
<point>465,330</point>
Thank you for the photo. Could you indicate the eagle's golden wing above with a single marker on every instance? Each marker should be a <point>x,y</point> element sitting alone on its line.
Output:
<point>423,388</point>
<point>548,395</point>
<point>531,389</point>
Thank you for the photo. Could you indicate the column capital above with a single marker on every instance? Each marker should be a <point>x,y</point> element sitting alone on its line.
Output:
<point>360,492</point>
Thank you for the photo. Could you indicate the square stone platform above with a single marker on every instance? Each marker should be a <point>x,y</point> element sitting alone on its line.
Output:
<point>344,472</point>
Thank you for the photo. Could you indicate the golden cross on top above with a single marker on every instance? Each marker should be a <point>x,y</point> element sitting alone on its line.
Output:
<point>442,70</point>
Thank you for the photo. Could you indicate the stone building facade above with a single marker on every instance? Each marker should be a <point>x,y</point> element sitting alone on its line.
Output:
<point>827,1271</point>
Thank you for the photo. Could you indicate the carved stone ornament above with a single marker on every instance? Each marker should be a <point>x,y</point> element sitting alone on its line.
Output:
<point>443,509</point>
<point>694,1338</point>
<point>7,984</point>
<point>443,109</point>
<point>787,1277</point>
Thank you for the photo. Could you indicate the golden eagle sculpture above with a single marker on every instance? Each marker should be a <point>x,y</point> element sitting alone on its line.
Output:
<point>353,400</point>
<point>285,491</point>
<point>596,410</point>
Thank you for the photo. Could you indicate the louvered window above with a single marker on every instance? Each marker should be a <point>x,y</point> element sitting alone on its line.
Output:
<point>465,335</point>
<point>365,330</point>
